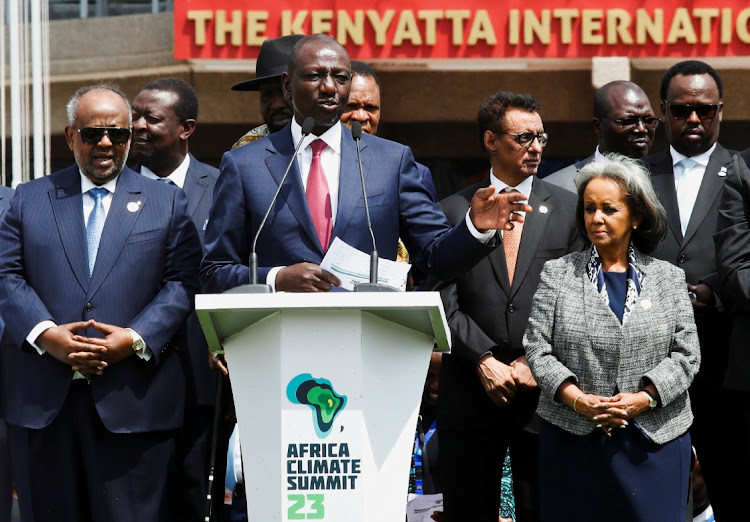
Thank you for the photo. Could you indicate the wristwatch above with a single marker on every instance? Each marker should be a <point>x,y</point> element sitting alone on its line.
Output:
<point>651,400</point>
<point>139,346</point>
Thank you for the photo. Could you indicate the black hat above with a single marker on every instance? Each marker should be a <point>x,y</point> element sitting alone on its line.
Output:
<point>273,60</point>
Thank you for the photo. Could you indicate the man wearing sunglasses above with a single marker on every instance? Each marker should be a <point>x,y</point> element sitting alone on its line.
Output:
<point>688,178</point>
<point>98,272</point>
<point>487,395</point>
<point>624,122</point>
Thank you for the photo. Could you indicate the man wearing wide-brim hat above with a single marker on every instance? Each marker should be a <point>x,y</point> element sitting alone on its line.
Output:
<point>273,60</point>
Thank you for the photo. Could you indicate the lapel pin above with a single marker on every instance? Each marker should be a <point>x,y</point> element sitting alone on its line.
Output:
<point>723,171</point>
<point>133,206</point>
<point>646,304</point>
<point>543,209</point>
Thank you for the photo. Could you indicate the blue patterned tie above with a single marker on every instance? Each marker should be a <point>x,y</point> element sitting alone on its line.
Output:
<point>685,200</point>
<point>95,225</point>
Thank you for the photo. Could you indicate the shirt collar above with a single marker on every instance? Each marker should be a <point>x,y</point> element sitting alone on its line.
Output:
<point>598,156</point>
<point>701,159</point>
<point>177,176</point>
<point>524,187</point>
<point>332,137</point>
<point>87,184</point>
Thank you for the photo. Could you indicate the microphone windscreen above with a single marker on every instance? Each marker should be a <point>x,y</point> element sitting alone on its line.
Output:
<point>307,125</point>
<point>356,130</point>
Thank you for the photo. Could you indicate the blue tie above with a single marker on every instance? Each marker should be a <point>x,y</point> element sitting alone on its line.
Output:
<point>95,225</point>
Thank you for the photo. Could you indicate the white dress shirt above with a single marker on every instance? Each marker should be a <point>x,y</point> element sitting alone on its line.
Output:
<point>524,188</point>
<point>177,176</point>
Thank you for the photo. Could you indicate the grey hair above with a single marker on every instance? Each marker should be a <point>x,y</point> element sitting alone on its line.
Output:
<point>635,181</point>
<point>75,100</point>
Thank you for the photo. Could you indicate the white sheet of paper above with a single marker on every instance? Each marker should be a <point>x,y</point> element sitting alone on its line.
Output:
<point>420,508</point>
<point>353,266</point>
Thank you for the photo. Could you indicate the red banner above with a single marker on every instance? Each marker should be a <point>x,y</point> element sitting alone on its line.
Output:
<point>469,28</point>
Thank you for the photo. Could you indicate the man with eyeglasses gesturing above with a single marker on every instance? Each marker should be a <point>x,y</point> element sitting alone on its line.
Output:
<point>688,178</point>
<point>624,122</point>
<point>98,272</point>
<point>487,395</point>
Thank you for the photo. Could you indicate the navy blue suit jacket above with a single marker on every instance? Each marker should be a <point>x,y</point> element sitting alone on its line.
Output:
<point>145,278</point>
<point>399,206</point>
<point>5,196</point>
<point>199,189</point>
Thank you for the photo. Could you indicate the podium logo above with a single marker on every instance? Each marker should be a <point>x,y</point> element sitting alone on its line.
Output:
<point>325,403</point>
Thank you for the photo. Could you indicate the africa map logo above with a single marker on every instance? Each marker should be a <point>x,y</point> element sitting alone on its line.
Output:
<point>325,403</point>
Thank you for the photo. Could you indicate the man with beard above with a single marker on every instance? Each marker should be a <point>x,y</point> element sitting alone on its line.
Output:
<point>98,271</point>
<point>624,123</point>
<point>273,60</point>
<point>310,213</point>
<point>688,178</point>
<point>165,113</point>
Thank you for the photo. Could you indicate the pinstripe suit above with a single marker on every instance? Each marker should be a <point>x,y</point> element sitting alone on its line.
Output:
<point>145,277</point>
<point>6,484</point>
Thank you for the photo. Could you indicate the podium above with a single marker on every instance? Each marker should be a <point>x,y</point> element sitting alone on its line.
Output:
<point>327,389</point>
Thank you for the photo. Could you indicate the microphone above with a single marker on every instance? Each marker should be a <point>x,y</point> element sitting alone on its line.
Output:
<point>254,287</point>
<point>373,285</point>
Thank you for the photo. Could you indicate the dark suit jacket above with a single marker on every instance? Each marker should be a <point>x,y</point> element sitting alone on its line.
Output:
<point>5,196</point>
<point>199,189</point>
<point>732,257</point>
<point>399,206</point>
<point>566,176</point>
<point>486,314</point>
<point>695,253</point>
<point>145,278</point>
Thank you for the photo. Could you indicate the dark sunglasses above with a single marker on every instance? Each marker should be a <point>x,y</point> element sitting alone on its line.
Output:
<point>627,123</point>
<point>683,112</point>
<point>93,135</point>
<point>525,139</point>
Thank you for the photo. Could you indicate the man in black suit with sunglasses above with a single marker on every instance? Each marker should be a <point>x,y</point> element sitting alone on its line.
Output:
<point>688,178</point>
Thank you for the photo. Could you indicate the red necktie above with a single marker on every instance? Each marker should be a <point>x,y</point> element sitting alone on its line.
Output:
<point>511,242</point>
<point>318,196</point>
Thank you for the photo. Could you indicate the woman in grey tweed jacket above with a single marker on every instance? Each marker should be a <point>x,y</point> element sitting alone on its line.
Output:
<point>613,346</point>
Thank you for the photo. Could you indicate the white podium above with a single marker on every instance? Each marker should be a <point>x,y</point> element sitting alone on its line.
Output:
<point>327,390</point>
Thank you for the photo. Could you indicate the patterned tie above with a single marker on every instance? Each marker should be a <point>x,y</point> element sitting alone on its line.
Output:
<point>95,225</point>
<point>318,196</point>
<point>511,243</point>
<point>685,196</point>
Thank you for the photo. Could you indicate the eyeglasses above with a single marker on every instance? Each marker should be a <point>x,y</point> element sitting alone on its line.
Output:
<point>626,123</point>
<point>684,111</point>
<point>525,139</point>
<point>93,135</point>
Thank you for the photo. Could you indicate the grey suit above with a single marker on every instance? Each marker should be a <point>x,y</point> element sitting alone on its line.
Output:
<point>566,177</point>
<point>573,334</point>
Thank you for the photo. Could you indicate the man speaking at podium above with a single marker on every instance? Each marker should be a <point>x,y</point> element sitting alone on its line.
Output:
<point>322,197</point>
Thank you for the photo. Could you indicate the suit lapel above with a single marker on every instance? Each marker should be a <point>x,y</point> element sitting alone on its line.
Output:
<point>709,190</point>
<point>195,185</point>
<point>350,186</point>
<point>281,151</point>
<point>662,178</point>
<point>533,231</point>
<point>127,204</point>
<point>67,209</point>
